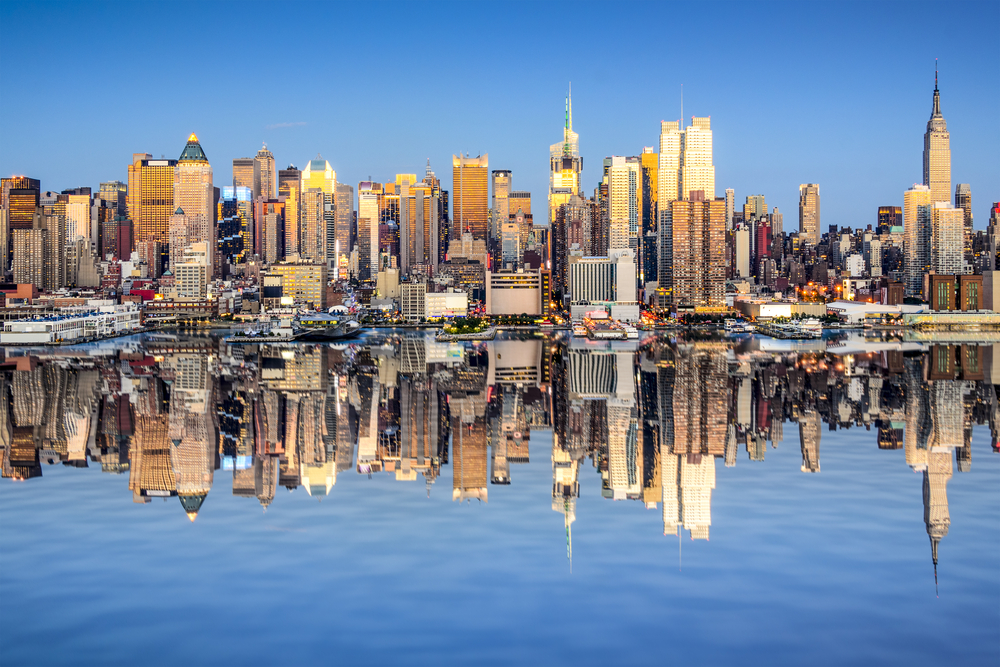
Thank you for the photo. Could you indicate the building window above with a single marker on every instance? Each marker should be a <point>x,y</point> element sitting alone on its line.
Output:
<point>942,293</point>
<point>944,355</point>
<point>972,297</point>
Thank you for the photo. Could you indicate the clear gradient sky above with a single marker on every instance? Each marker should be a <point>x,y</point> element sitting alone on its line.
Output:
<point>833,93</point>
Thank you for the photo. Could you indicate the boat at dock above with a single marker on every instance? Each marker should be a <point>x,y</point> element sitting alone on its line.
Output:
<point>310,328</point>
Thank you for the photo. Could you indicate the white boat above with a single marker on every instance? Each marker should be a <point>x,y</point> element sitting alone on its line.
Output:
<point>738,326</point>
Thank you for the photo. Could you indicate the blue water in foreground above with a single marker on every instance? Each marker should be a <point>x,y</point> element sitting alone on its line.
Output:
<point>830,568</point>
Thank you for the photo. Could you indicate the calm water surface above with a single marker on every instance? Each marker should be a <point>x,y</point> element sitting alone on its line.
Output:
<point>546,500</point>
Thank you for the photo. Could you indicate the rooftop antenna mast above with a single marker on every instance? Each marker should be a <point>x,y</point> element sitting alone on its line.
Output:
<point>568,126</point>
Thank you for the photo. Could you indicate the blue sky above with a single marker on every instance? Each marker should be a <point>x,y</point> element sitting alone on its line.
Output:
<point>833,93</point>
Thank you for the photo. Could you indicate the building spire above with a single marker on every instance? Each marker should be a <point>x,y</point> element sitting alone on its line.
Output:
<point>569,535</point>
<point>934,557</point>
<point>936,112</point>
<point>568,122</point>
<point>569,108</point>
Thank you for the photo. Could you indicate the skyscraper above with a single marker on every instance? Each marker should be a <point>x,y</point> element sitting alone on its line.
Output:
<point>19,183</point>
<point>649,162</point>
<point>470,197</point>
<point>947,238</point>
<point>418,220</point>
<point>243,172</point>
<point>21,197</point>
<point>114,193</point>
<point>697,169</point>
<point>624,200</point>
<point>312,244</point>
<point>565,165</point>
<point>669,172</point>
<point>77,217</point>
<point>319,175</point>
<point>369,202</point>
<point>809,218</point>
<point>318,225</point>
<point>194,192</point>
<point>937,151</point>
<point>755,208</point>
<point>345,220</point>
<point>500,207</point>
<point>698,273</point>
<point>916,236</point>
<point>889,217</point>
<point>263,174</point>
<point>289,187</point>
<point>730,207</point>
<point>150,196</point>
<point>39,252</point>
<point>501,196</point>
<point>685,166</point>
<point>963,200</point>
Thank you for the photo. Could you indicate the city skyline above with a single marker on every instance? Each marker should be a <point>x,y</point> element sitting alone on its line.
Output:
<point>861,164</point>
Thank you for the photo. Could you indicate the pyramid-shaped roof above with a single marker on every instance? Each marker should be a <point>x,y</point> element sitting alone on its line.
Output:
<point>192,151</point>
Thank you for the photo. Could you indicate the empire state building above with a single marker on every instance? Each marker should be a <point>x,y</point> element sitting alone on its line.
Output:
<point>937,152</point>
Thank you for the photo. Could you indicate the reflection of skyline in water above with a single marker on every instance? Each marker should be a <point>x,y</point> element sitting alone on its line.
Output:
<point>652,419</point>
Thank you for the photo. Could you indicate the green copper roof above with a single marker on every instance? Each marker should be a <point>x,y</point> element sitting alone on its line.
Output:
<point>192,151</point>
<point>192,503</point>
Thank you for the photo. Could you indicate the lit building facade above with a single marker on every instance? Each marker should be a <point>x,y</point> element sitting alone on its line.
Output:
<point>500,180</point>
<point>289,187</point>
<point>344,213</point>
<point>369,204</point>
<point>947,238</point>
<point>809,220</point>
<point>194,192</point>
<point>624,202</point>
<point>963,200</point>
<point>937,152</point>
<point>697,168</point>
<point>916,232</point>
<point>264,174</point>
<point>470,196</point>
<point>698,275</point>
<point>150,196</point>
<point>565,166</point>
<point>243,172</point>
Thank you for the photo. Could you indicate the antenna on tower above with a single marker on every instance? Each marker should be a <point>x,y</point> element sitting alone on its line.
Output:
<point>569,105</point>
<point>935,73</point>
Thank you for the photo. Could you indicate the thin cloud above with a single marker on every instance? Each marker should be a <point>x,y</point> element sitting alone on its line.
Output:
<point>277,125</point>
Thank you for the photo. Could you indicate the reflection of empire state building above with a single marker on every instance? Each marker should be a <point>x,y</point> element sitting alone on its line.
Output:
<point>934,429</point>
